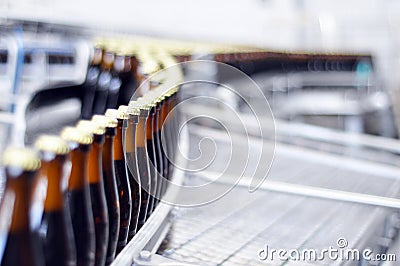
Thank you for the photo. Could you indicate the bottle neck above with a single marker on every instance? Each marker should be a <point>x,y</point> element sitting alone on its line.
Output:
<point>130,135</point>
<point>95,160</point>
<point>16,201</point>
<point>118,142</point>
<point>53,171</point>
<point>157,118</point>
<point>78,178</point>
<point>163,114</point>
<point>149,126</point>
<point>108,152</point>
<point>141,132</point>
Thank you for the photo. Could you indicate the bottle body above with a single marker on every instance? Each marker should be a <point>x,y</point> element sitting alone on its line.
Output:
<point>152,162</point>
<point>143,169</point>
<point>80,206</point>
<point>98,199</point>
<point>111,192</point>
<point>158,153</point>
<point>133,175</point>
<point>19,242</point>
<point>56,232</point>
<point>123,186</point>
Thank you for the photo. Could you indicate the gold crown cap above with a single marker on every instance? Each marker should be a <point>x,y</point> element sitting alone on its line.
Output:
<point>90,127</point>
<point>105,121</point>
<point>52,143</point>
<point>25,158</point>
<point>116,113</point>
<point>76,135</point>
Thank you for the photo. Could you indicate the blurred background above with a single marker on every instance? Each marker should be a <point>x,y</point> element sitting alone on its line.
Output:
<point>329,70</point>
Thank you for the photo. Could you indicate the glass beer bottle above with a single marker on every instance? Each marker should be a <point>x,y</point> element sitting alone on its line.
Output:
<point>151,157</point>
<point>142,159</point>
<point>18,241</point>
<point>56,230</point>
<point>110,185</point>
<point>163,142</point>
<point>121,175</point>
<point>96,187</point>
<point>131,120</point>
<point>157,146</point>
<point>79,195</point>
<point>90,83</point>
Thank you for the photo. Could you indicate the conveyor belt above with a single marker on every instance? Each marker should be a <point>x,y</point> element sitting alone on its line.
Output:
<point>232,230</point>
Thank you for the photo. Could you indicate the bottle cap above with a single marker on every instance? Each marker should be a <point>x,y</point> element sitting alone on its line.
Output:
<point>90,127</point>
<point>117,114</point>
<point>24,158</point>
<point>142,104</point>
<point>149,99</point>
<point>105,121</point>
<point>52,143</point>
<point>134,108</point>
<point>76,135</point>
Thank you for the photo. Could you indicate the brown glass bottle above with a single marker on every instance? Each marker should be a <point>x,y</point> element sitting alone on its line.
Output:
<point>128,82</point>
<point>163,141</point>
<point>151,159</point>
<point>103,83</point>
<point>168,133</point>
<point>110,185</point>
<point>79,195</point>
<point>158,152</point>
<point>90,83</point>
<point>174,114</point>
<point>96,187</point>
<point>133,176</point>
<point>115,82</point>
<point>142,161</point>
<point>56,230</point>
<point>19,244</point>
<point>121,175</point>
<point>171,129</point>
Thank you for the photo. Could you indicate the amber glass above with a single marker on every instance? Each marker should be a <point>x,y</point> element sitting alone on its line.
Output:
<point>158,153</point>
<point>19,244</point>
<point>56,230</point>
<point>123,186</point>
<point>90,84</point>
<point>128,83</point>
<point>169,134</point>
<point>143,167</point>
<point>115,82</point>
<point>133,175</point>
<point>110,187</point>
<point>80,206</point>
<point>152,162</point>
<point>163,143</point>
<point>98,198</point>
<point>103,83</point>
<point>174,114</point>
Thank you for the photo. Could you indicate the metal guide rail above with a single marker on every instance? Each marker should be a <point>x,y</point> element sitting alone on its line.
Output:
<point>310,200</point>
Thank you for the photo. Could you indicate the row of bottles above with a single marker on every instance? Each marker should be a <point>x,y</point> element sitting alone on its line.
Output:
<point>110,81</point>
<point>79,198</point>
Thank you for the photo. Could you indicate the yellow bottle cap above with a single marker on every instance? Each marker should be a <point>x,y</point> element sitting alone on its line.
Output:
<point>90,127</point>
<point>105,121</point>
<point>117,114</point>
<point>52,143</point>
<point>24,158</point>
<point>134,108</point>
<point>76,135</point>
